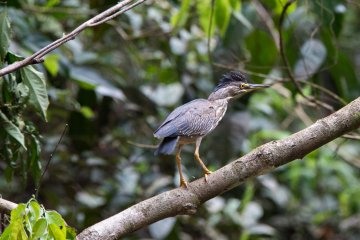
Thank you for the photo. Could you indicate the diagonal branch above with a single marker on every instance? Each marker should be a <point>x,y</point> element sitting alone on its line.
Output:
<point>6,206</point>
<point>182,201</point>
<point>98,19</point>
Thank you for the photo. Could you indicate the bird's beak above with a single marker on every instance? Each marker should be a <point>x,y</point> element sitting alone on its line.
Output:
<point>250,87</point>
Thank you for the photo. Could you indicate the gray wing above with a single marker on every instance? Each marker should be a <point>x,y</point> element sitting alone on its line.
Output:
<point>194,118</point>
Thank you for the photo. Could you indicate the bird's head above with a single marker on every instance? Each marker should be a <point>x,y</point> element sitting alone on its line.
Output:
<point>233,84</point>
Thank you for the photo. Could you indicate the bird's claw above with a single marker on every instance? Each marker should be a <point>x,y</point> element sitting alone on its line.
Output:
<point>183,182</point>
<point>206,173</point>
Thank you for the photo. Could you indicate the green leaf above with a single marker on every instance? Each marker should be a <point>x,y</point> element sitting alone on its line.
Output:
<point>53,217</point>
<point>203,8</point>
<point>263,51</point>
<point>52,3</point>
<point>12,129</point>
<point>23,170</point>
<point>17,212</point>
<point>15,228</point>
<point>22,234</point>
<point>5,34</point>
<point>248,195</point>
<point>45,237</point>
<point>55,232</point>
<point>23,92</point>
<point>6,235</point>
<point>87,112</point>
<point>35,159</point>
<point>12,57</point>
<point>70,233</point>
<point>345,78</point>
<point>39,228</point>
<point>180,18</point>
<point>5,90</point>
<point>52,64</point>
<point>36,83</point>
<point>34,209</point>
<point>235,4</point>
<point>8,173</point>
<point>222,14</point>
<point>168,75</point>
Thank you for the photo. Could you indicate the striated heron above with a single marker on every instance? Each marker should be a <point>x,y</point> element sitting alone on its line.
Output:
<point>191,122</point>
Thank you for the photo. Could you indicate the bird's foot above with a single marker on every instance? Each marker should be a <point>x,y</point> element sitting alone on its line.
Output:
<point>206,173</point>
<point>183,182</point>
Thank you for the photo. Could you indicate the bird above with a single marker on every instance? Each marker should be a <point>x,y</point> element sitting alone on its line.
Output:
<point>191,122</point>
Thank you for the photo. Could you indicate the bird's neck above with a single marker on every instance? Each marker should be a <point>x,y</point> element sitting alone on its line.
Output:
<point>219,99</point>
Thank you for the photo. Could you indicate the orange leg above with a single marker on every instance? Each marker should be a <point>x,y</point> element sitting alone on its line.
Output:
<point>206,171</point>
<point>178,161</point>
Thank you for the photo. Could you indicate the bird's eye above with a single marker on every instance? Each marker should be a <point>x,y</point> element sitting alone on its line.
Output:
<point>242,86</point>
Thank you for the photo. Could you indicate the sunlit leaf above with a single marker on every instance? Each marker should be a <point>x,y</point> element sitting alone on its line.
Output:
<point>39,228</point>
<point>16,227</point>
<point>17,212</point>
<point>70,233</point>
<point>204,11</point>
<point>53,217</point>
<point>180,18</point>
<point>87,112</point>
<point>22,234</point>
<point>235,4</point>
<point>34,209</point>
<point>36,83</point>
<point>52,63</point>
<point>12,129</point>
<point>222,15</point>
<point>55,232</point>
<point>6,235</point>
<point>5,34</point>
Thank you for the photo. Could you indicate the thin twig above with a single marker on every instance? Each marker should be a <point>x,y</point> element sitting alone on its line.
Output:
<point>282,49</point>
<point>350,136</point>
<point>142,145</point>
<point>268,21</point>
<point>100,18</point>
<point>321,88</point>
<point>116,14</point>
<point>353,2</point>
<point>288,68</point>
<point>51,155</point>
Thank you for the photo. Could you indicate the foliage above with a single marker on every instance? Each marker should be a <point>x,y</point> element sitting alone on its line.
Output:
<point>115,84</point>
<point>32,221</point>
<point>19,138</point>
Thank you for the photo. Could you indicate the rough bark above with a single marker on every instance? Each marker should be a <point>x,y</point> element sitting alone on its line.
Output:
<point>182,201</point>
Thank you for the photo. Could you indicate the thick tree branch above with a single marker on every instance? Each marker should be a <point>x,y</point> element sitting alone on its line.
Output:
<point>183,201</point>
<point>6,206</point>
<point>98,19</point>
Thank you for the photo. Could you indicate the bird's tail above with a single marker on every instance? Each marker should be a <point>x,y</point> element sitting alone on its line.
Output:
<point>167,146</point>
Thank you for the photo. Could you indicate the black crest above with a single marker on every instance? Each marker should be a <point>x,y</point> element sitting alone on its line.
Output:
<point>230,78</point>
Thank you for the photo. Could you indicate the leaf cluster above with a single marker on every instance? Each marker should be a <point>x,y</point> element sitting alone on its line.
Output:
<point>31,221</point>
